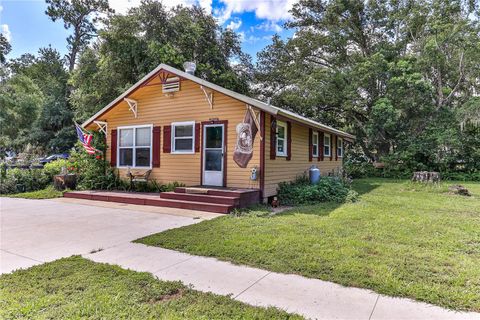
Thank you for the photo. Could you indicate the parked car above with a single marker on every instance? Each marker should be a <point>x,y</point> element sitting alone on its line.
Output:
<point>53,157</point>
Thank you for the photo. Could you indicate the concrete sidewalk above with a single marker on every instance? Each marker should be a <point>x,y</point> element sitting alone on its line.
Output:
<point>311,298</point>
<point>37,231</point>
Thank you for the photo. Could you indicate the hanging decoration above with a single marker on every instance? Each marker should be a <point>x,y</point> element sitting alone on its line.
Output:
<point>246,132</point>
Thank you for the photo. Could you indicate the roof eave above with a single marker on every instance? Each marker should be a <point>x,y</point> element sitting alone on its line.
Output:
<point>253,102</point>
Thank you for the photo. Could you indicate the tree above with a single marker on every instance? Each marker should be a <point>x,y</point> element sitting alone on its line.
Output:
<point>21,100</point>
<point>5,48</point>
<point>81,15</point>
<point>392,72</point>
<point>48,114</point>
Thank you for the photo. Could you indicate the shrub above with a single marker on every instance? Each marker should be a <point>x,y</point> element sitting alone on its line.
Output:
<point>300,191</point>
<point>18,180</point>
<point>55,167</point>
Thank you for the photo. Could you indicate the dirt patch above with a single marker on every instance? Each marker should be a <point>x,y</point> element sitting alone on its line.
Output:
<point>176,294</point>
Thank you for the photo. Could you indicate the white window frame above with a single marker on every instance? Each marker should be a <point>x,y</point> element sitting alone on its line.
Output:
<point>184,123</point>
<point>340,147</point>
<point>329,154</point>
<point>134,147</point>
<point>285,139</point>
<point>315,134</point>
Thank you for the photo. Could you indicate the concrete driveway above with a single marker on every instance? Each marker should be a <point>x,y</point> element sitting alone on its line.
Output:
<point>37,231</point>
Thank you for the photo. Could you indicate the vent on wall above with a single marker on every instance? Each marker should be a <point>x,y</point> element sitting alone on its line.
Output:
<point>171,85</point>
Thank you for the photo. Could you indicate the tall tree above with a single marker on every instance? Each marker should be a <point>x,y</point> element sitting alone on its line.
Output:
<point>21,100</point>
<point>81,15</point>
<point>50,125</point>
<point>390,71</point>
<point>5,48</point>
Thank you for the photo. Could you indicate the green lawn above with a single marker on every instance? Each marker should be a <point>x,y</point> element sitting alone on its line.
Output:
<point>47,193</point>
<point>76,288</point>
<point>400,239</point>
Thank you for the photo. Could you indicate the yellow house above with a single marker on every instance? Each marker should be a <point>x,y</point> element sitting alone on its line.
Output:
<point>189,130</point>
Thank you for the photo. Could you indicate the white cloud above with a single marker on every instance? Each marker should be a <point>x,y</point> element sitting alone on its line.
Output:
<point>1,8</point>
<point>206,4</point>
<point>6,32</point>
<point>122,6</point>
<point>234,24</point>
<point>273,10</point>
<point>270,26</point>
<point>251,38</point>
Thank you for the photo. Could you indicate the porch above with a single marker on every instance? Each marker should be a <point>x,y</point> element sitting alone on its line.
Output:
<point>218,200</point>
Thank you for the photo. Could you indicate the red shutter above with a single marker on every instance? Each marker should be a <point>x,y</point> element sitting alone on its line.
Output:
<point>310,144</point>
<point>289,140</point>
<point>156,147</point>
<point>197,137</point>
<point>321,138</point>
<point>273,138</point>
<point>167,139</point>
<point>113,146</point>
<point>336,148</point>
<point>331,147</point>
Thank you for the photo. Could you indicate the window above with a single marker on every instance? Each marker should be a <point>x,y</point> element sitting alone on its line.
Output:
<point>183,137</point>
<point>340,147</point>
<point>315,144</point>
<point>135,147</point>
<point>281,138</point>
<point>326,145</point>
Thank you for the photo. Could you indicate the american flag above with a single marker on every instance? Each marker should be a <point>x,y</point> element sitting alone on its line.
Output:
<point>85,139</point>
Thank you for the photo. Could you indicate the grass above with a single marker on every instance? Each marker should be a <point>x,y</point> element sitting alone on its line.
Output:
<point>76,288</point>
<point>48,193</point>
<point>400,239</point>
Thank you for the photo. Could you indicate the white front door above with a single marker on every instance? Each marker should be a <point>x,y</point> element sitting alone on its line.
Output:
<point>213,145</point>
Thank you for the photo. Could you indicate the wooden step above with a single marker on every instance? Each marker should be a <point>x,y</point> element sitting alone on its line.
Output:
<point>150,200</point>
<point>233,201</point>
<point>191,205</point>
<point>247,197</point>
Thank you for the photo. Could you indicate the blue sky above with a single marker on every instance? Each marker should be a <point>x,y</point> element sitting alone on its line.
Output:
<point>28,28</point>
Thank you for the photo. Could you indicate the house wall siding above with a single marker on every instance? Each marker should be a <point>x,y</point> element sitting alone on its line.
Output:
<point>279,169</point>
<point>188,104</point>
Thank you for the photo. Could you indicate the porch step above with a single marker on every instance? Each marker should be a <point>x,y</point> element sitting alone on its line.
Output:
<point>247,197</point>
<point>201,197</point>
<point>150,200</point>
<point>192,205</point>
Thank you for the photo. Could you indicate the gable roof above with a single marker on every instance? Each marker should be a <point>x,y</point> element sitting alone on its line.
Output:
<point>253,102</point>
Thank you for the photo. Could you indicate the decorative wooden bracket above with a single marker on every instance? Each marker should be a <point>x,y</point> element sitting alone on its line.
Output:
<point>208,96</point>
<point>132,105</point>
<point>103,126</point>
<point>255,118</point>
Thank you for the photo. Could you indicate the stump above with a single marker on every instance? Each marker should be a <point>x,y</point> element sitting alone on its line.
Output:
<point>426,177</point>
<point>460,190</point>
<point>63,181</point>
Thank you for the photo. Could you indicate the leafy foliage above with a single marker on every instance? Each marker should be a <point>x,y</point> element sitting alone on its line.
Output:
<point>81,15</point>
<point>300,191</point>
<point>48,193</point>
<point>18,180</point>
<point>396,73</point>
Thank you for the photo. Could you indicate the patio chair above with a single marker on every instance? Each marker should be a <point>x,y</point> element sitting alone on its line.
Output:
<point>138,177</point>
